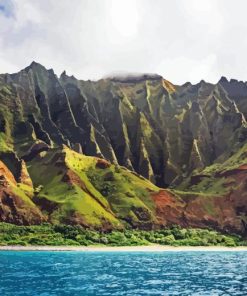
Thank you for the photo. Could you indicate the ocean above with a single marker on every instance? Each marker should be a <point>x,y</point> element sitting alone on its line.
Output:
<point>122,273</point>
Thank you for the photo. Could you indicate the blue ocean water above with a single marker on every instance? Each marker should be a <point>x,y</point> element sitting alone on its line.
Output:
<point>123,273</point>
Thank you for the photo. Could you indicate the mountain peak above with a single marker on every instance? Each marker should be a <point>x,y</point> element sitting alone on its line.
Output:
<point>64,73</point>
<point>223,79</point>
<point>35,65</point>
<point>172,135</point>
<point>186,84</point>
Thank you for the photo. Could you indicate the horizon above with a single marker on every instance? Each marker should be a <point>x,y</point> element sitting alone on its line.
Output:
<point>183,41</point>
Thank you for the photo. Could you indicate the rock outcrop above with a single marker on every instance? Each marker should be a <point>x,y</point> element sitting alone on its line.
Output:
<point>16,205</point>
<point>134,127</point>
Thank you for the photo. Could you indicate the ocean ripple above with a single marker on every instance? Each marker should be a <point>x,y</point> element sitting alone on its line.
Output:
<point>123,273</point>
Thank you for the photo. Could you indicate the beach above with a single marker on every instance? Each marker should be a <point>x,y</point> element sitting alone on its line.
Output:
<point>150,248</point>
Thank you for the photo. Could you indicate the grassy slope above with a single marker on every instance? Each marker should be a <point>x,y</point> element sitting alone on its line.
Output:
<point>8,112</point>
<point>20,208</point>
<point>214,189</point>
<point>212,184</point>
<point>110,195</point>
<point>237,159</point>
<point>23,192</point>
<point>97,195</point>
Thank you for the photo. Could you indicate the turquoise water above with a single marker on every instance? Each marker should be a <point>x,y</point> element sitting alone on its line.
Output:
<point>102,273</point>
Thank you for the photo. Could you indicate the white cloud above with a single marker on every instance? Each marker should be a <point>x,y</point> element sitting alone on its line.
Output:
<point>205,68</point>
<point>181,40</point>
<point>124,18</point>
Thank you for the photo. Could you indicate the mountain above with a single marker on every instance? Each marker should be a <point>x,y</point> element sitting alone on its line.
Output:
<point>98,153</point>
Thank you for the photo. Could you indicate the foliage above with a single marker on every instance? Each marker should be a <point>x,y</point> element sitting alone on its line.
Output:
<point>47,234</point>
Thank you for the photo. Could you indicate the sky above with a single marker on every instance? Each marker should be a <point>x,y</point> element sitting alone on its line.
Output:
<point>182,40</point>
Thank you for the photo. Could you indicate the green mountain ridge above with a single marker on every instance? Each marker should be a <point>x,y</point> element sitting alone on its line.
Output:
<point>90,152</point>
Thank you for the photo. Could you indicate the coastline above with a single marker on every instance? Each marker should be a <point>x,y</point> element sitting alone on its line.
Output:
<point>150,248</point>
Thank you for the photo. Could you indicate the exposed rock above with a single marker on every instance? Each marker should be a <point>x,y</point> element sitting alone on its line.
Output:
<point>77,147</point>
<point>169,134</point>
<point>24,175</point>
<point>102,163</point>
<point>6,175</point>
<point>13,208</point>
<point>142,122</point>
<point>35,150</point>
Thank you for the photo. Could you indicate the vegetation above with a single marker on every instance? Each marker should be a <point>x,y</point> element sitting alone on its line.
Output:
<point>212,183</point>
<point>58,235</point>
<point>177,136</point>
<point>237,159</point>
<point>98,195</point>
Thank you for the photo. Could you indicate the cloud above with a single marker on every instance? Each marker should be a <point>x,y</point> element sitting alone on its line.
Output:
<point>181,40</point>
<point>205,68</point>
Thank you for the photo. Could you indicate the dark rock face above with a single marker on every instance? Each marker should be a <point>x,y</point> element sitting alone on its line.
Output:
<point>145,123</point>
<point>165,133</point>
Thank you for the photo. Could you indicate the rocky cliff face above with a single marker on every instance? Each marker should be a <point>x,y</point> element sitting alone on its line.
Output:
<point>166,133</point>
<point>16,205</point>
<point>145,123</point>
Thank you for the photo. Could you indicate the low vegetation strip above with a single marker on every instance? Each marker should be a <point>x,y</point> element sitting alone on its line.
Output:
<point>67,235</point>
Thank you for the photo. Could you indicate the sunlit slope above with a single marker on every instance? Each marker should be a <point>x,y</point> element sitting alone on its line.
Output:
<point>218,194</point>
<point>144,122</point>
<point>90,191</point>
<point>78,151</point>
<point>16,205</point>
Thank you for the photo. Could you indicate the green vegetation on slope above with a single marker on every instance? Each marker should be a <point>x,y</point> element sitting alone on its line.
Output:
<point>71,193</point>
<point>211,180</point>
<point>90,189</point>
<point>57,235</point>
<point>233,162</point>
<point>168,134</point>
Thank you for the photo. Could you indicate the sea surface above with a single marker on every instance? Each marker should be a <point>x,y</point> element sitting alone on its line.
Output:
<point>122,273</point>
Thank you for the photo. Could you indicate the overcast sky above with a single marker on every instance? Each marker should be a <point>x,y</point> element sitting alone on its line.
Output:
<point>182,40</point>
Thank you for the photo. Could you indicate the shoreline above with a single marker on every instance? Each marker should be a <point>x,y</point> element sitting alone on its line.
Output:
<point>150,248</point>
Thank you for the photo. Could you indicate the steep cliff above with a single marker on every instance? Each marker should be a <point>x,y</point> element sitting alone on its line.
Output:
<point>171,135</point>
